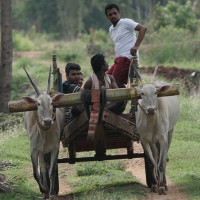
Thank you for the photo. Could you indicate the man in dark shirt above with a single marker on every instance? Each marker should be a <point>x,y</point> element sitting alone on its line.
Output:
<point>73,75</point>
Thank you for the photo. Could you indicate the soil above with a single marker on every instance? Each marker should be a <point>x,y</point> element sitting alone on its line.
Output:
<point>190,78</point>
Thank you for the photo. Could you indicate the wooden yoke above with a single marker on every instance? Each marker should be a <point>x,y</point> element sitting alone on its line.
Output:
<point>119,94</point>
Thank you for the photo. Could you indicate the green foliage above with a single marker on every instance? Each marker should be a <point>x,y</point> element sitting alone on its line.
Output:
<point>172,45</point>
<point>22,42</point>
<point>30,41</point>
<point>69,19</point>
<point>69,52</point>
<point>175,14</point>
<point>98,41</point>
<point>21,85</point>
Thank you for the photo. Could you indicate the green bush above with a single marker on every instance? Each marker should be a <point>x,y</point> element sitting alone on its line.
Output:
<point>71,52</point>
<point>98,41</point>
<point>175,14</point>
<point>171,45</point>
<point>22,42</point>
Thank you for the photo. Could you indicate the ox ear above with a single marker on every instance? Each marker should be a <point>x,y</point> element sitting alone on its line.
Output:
<point>138,90</point>
<point>57,97</point>
<point>163,88</point>
<point>29,99</point>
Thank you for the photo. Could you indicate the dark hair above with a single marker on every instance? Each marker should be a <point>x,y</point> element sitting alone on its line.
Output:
<point>111,6</point>
<point>72,66</point>
<point>97,61</point>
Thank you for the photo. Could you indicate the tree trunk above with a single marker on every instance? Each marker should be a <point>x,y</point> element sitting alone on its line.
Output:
<point>6,54</point>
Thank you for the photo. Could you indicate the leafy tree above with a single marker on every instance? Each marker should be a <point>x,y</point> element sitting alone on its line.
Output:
<point>175,14</point>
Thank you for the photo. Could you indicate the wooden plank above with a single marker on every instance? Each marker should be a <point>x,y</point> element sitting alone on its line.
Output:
<point>115,129</point>
<point>119,94</point>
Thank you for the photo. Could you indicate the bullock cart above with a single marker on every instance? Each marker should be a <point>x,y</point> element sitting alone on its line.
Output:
<point>98,130</point>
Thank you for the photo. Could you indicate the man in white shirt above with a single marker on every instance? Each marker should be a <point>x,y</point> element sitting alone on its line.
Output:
<point>126,44</point>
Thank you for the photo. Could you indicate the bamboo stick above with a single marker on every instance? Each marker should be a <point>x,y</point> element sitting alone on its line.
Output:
<point>119,94</point>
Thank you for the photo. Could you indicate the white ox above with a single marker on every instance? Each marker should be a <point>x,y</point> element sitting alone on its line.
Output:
<point>44,128</point>
<point>155,121</point>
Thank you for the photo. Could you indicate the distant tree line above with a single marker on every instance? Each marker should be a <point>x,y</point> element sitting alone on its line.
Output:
<point>71,18</point>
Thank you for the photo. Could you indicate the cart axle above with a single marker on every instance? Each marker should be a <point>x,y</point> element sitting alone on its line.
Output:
<point>100,158</point>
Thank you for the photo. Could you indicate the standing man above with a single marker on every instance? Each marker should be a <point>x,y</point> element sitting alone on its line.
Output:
<point>122,32</point>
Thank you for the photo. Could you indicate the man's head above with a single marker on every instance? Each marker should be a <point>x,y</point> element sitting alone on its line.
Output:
<point>98,63</point>
<point>80,83</point>
<point>72,71</point>
<point>112,13</point>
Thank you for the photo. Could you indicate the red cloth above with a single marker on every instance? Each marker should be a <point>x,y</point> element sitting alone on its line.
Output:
<point>120,70</point>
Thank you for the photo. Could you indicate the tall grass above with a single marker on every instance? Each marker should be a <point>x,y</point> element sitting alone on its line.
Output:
<point>171,46</point>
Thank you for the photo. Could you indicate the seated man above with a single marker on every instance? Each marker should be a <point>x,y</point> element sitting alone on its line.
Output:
<point>80,84</point>
<point>99,79</point>
<point>73,75</point>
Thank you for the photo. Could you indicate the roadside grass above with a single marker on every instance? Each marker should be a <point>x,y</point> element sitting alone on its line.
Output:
<point>15,163</point>
<point>184,161</point>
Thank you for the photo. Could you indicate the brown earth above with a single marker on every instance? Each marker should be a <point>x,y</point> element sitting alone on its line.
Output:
<point>190,78</point>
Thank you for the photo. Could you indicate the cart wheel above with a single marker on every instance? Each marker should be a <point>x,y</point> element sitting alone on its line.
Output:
<point>130,148</point>
<point>148,171</point>
<point>72,153</point>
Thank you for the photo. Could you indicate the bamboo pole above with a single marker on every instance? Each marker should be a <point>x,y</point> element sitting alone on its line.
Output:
<point>119,94</point>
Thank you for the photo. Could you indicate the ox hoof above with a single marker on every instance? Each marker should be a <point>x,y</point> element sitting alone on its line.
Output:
<point>162,191</point>
<point>166,188</point>
<point>52,197</point>
<point>154,189</point>
<point>45,196</point>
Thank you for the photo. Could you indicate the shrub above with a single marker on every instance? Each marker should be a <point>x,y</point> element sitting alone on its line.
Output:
<point>98,41</point>
<point>22,42</point>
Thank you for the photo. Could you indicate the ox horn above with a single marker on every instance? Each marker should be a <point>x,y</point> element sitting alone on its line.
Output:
<point>36,89</point>
<point>139,76</point>
<point>154,73</point>
<point>49,80</point>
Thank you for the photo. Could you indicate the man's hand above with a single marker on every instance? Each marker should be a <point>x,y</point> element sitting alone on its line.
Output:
<point>133,51</point>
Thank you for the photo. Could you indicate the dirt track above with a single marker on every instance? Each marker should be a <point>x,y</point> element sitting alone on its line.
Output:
<point>190,78</point>
<point>137,168</point>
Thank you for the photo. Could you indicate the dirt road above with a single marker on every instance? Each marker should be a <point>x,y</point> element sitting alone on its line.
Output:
<point>137,168</point>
